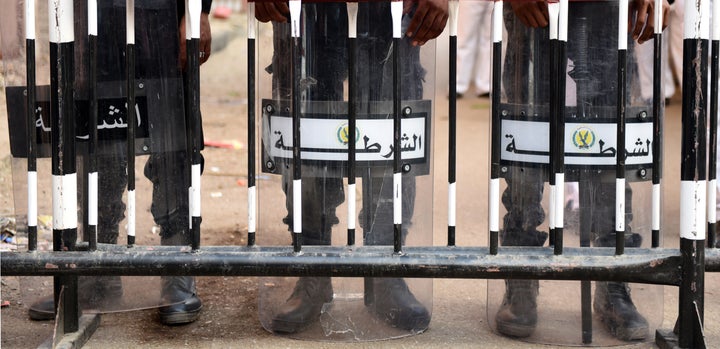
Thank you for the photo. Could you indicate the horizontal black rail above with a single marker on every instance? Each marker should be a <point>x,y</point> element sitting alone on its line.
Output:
<point>656,266</point>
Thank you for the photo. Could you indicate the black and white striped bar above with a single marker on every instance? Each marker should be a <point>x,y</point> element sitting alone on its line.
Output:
<point>193,10</point>
<point>620,122</point>
<point>32,198</point>
<point>352,11</point>
<point>658,115</point>
<point>452,128</point>
<point>712,166</point>
<point>693,173</point>
<point>92,180</point>
<point>396,9</point>
<point>295,11</point>
<point>252,189</point>
<point>553,13</point>
<point>557,126</point>
<point>130,85</point>
<point>494,206</point>
<point>64,172</point>
<point>560,124</point>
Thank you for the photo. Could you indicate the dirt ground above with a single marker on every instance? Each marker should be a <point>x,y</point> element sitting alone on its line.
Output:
<point>230,315</point>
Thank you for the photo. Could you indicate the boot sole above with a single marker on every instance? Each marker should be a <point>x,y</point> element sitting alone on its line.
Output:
<point>180,318</point>
<point>515,330</point>
<point>625,334</point>
<point>280,326</point>
<point>38,315</point>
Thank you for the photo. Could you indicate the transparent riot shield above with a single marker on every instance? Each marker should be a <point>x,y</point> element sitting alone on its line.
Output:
<point>572,312</point>
<point>344,309</point>
<point>161,208</point>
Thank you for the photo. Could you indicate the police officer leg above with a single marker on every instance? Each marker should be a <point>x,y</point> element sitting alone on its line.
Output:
<point>612,301</point>
<point>321,196</point>
<point>391,299</point>
<point>170,209</point>
<point>517,316</point>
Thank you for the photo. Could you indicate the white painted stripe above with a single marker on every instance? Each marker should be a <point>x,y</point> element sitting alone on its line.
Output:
<point>397,198</point>
<point>251,22</point>
<point>497,21</point>
<point>92,18</point>
<point>494,204</point>
<point>352,10</point>
<point>552,215</point>
<point>453,7</point>
<point>295,9</point>
<point>696,19</point>
<point>131,213</point>
<point>93,198</point>
<point>64,201</point>
<point>712,202</point>
<point>352,206</point>
<point>130,22</point>
<point>559,200</point>
<point>30,19</point>
<point>32,198</point>
<point>195,9</point>
<point>623,25</point>
<point>297,204</point>
<point>563,21</point>
<point>692,210</point>
<point>188,30</point>
<point>196,180</point>
<point>658,16</point>
<point>656,204</point>
<point>61,21</point>
<point>716,20</point>
<point>452,204</point>
<point>554,12</point>
<point>396,9</point>
<point>620,204</point>
<point>252,209</point>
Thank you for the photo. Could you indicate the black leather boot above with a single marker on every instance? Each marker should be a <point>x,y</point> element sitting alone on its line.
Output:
<point>397,306</point>
<point>617,311</point>
<point>517,315</point>
<point>181,294</point>
<point>178,291</point>
<point>94,292</point>
<point>303,306</point>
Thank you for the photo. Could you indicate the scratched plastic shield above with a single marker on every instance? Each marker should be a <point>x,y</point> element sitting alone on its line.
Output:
<point>573,312</point>
<point>159,142</point>
<point>344,309</point>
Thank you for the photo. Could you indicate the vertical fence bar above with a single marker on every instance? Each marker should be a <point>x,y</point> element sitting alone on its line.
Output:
<point>553,13</point>
<point>352,10</point>
<point>693,185</point>
<point>657,125</point>
<point>560,160</point>
<point>31,116</point>
<point>620,134</point>
<point>452,127</point>
<point>396,8</point>
<point>252,190</point>
<point>658,115</point>
<point>130,115</point>
<point>64,172</point>
<point>712,166</point>
<point>496,128</point>
<point>192,22</point>
<point>295,10</point>
<point>92,127</point>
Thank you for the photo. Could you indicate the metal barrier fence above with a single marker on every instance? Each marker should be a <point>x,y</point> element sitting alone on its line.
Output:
<point>683,268</point>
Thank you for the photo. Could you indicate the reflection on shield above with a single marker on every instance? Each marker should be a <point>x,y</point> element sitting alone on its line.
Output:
<point>564,312</point>
<point>342,309</point>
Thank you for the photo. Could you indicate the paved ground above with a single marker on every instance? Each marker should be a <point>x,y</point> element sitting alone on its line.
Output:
<point>230,317</point>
